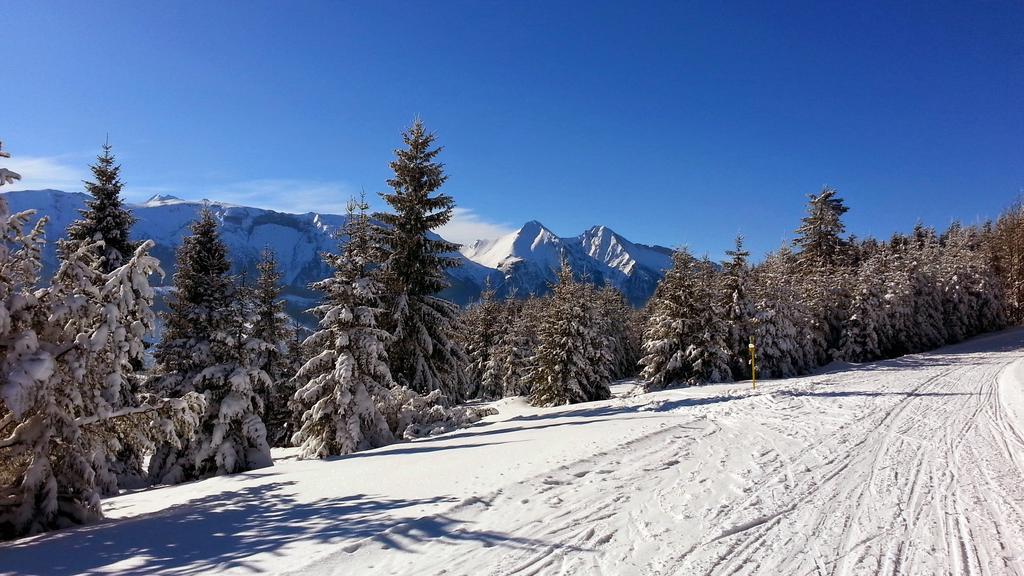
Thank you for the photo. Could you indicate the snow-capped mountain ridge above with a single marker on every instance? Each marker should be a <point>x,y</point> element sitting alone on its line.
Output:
<point>529,258</point>
<point>522,263</point>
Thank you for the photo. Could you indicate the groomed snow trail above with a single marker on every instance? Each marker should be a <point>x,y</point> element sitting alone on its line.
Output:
<point>907,466</point>
<point>910,466</point>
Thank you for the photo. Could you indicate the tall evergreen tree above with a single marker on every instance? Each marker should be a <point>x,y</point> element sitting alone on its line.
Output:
<point>206,348</point>
<point>480,335</point>
<point>347,381</point>
<point>105,217</point>
<point>106,220</point>
<point>424,355</point>
<point>271,327</point>
<point>738,307</point>
<point>824,263</point>
<point>818,237</point>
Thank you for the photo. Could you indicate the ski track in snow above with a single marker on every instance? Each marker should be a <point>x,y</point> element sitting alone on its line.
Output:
<point>907,466</point>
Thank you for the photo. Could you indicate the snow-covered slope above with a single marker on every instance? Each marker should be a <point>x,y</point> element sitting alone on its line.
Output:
<point>906,466</point>
<point>297,239</point>
<point>529,258</point>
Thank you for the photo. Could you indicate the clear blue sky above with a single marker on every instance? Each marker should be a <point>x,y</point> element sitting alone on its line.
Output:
<point>672,123</point>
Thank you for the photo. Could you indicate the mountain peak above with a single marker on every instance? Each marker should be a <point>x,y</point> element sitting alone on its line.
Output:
<point>162,200</point>
<point>533,227</point>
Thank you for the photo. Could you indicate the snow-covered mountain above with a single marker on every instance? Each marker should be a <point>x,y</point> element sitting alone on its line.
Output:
<point>529,258</point>
<point>297,239</point>
<point>523,262</point>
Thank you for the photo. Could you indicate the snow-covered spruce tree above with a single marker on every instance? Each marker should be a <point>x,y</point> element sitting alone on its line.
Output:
<point>569,367</point>
<point>738,308</point>
<point>897,329</point>
<point>424,354</point>
<point>108,222</point>
<point>785,336</point>
<point>824,258</point>
<point>971,294</point>
<point>818,238</point>
<point>615,316</point>
<point>669,325</point>
<point>512,360</point>
<point>297,357</point>
<point>67,349</point>
<point>105,218</point>
<point>867,326</point>
<point>480,334</point>
<point>271,326</point>
<point>1006,251</point>
<point>206,348</point>
<point>926,282</point>
<point>347,379</point>
<point>685,338</point>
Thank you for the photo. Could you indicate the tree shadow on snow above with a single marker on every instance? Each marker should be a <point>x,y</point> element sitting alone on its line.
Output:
<point>223,531</point>
<point>848,393</point>
<point>582,415</point>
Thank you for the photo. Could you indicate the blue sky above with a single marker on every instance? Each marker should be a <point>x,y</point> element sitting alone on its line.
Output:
<point>672,123</point>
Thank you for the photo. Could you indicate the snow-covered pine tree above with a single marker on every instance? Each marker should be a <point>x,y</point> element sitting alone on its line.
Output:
<point>738,308</point>
<point>108,222</point>
<point>348,378</point>
<point>824,258</point>
<point>297,357</point>
<point>897,335</point>
<point>480,334</point>
<point>205,348</point>
<point>424,354</point>
<point>709,354</point>
<point>669,325</point>
<point>1006,251</point>
<point>105,217</point>
<point>865,329</point>
<point>615,315</point>
<point>926,282</point>
<point>971,294</point>
<point>514,352</point>
<point>818,238</point>
<point>787,343</point>
<point>569,367</point>
<point>271,326</point>
<point>685,339</point>
<point>70,346</point>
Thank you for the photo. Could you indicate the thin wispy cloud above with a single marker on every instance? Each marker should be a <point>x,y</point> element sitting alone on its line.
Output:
<point>56,172</point>
<point>467,226</point>
<point>283,195</point>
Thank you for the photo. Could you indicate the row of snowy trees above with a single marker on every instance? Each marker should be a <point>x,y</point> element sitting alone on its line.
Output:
<point>73,415</point>
<point>828,297</point>
<point>79,412</point>
<point>562,348</point>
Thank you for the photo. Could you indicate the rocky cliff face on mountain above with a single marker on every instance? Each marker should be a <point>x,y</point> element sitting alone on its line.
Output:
<point>520,263</point>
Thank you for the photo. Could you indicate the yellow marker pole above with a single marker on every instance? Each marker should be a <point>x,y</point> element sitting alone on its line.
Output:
<point>753,365</point>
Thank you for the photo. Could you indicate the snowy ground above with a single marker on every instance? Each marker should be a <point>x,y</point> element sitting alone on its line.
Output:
<point>909,466</point>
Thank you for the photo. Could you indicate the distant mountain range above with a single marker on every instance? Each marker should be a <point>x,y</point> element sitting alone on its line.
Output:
<point>521,263</point>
